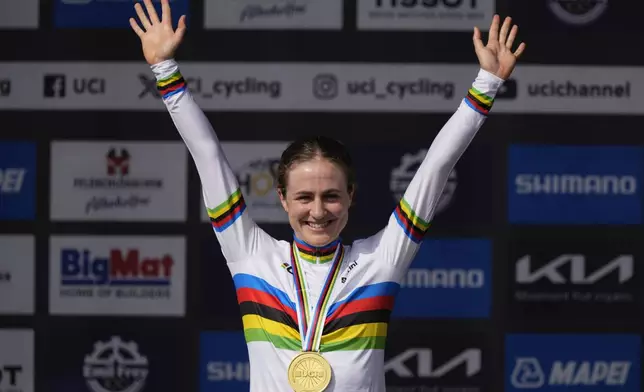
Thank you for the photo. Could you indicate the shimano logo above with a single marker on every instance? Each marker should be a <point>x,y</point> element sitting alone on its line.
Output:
<point>454,278</point>
<point>228,371</point>
<point>579,90</point>
<point>529,374</point>
<point>575,184</point>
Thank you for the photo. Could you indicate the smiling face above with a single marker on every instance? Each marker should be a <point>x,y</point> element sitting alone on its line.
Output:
<point>317,200</point>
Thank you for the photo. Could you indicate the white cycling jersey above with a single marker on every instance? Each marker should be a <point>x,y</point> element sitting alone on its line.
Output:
<point>355,329</point>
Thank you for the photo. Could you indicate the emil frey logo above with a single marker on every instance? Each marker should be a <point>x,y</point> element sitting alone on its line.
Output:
<point>122,273</point>
<point>115,366</point>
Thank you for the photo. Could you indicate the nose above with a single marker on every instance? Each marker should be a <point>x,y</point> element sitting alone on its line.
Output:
<point>317,210</point>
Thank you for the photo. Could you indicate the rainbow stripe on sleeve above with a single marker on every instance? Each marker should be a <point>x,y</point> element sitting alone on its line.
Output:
<point>413,226</point>
<point>479,101</point>
<point>227,212</point>
<point>171,85</point>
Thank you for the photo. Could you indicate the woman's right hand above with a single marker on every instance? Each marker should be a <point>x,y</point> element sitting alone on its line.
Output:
<point>158,39</point>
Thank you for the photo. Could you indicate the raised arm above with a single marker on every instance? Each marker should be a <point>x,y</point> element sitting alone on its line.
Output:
<point>400,239</point>
<point>238,236</point>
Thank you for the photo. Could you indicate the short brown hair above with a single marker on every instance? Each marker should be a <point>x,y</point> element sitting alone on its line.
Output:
<point>310,148</point>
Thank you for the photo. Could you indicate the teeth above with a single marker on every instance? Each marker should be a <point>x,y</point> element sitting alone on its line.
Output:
<point>318,225</point>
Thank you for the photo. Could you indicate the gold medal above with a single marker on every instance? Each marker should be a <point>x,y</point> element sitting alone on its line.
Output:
<point>309,372</point>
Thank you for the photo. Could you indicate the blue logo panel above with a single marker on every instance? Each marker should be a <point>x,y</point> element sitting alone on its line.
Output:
<point>572,363</point>
<point>575,184</point>
<point>223,363</point>
<point>17,180</point>
<point>108,13</point>
<point>449,278</point>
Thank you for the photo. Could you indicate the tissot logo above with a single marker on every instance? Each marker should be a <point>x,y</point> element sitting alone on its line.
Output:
<point>579,279</point>
<point>9,377</point>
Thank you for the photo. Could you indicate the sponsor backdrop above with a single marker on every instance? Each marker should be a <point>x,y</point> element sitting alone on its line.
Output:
<point>530,277</point>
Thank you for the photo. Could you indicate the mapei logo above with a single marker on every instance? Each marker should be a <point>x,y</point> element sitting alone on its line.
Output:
<point>115,366</point>
<point>578,275</point>
<point>529,374</point>
<point>401,365</point>
<point>12,179</point>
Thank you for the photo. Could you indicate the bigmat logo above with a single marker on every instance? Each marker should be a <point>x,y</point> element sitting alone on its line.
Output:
<point>448,278</point>
<point>575,184</point>
<point>224,363</point>
<point>572,363</point>
<point>117,275</point>
<point>591,278</point>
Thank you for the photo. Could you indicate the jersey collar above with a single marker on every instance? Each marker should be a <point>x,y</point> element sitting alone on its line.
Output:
<point>316,254</point>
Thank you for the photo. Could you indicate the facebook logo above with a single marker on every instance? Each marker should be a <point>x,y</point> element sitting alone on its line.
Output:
<point>55,86</point>
<point>17,180</point>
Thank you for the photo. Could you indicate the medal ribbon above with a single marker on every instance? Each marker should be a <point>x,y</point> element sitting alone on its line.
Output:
<point>312,334</point>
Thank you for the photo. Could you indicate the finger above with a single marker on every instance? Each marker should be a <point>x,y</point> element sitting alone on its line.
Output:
<point>494,29</point>
<point>476,38</point>
<point>136,28</point>
<point>154,18</point>
<point>166,13</point>
<point>142,17</point>
<point>181,29</point>
<point>511,37</point>
<point>504,30</point>
<point>520,50</point>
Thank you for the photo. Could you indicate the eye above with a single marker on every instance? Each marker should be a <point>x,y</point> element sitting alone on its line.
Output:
<point>332,196</point>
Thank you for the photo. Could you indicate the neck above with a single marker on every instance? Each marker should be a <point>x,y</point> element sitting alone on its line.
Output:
<point>316,254</point>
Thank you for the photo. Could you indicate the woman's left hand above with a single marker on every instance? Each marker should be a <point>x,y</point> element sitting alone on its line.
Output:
<point>497,57</point>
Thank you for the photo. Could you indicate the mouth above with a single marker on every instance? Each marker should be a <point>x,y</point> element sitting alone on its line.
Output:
<point>318,226</point>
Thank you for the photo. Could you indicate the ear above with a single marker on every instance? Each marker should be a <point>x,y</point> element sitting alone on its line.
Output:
<point>282,199</point>
<point>352,193</point>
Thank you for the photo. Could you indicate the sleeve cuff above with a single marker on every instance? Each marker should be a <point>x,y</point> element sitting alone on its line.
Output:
<point>487,83</point>
<point>164,69</point>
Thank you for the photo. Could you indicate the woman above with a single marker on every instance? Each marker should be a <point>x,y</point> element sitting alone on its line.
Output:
<point>314,310</point>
